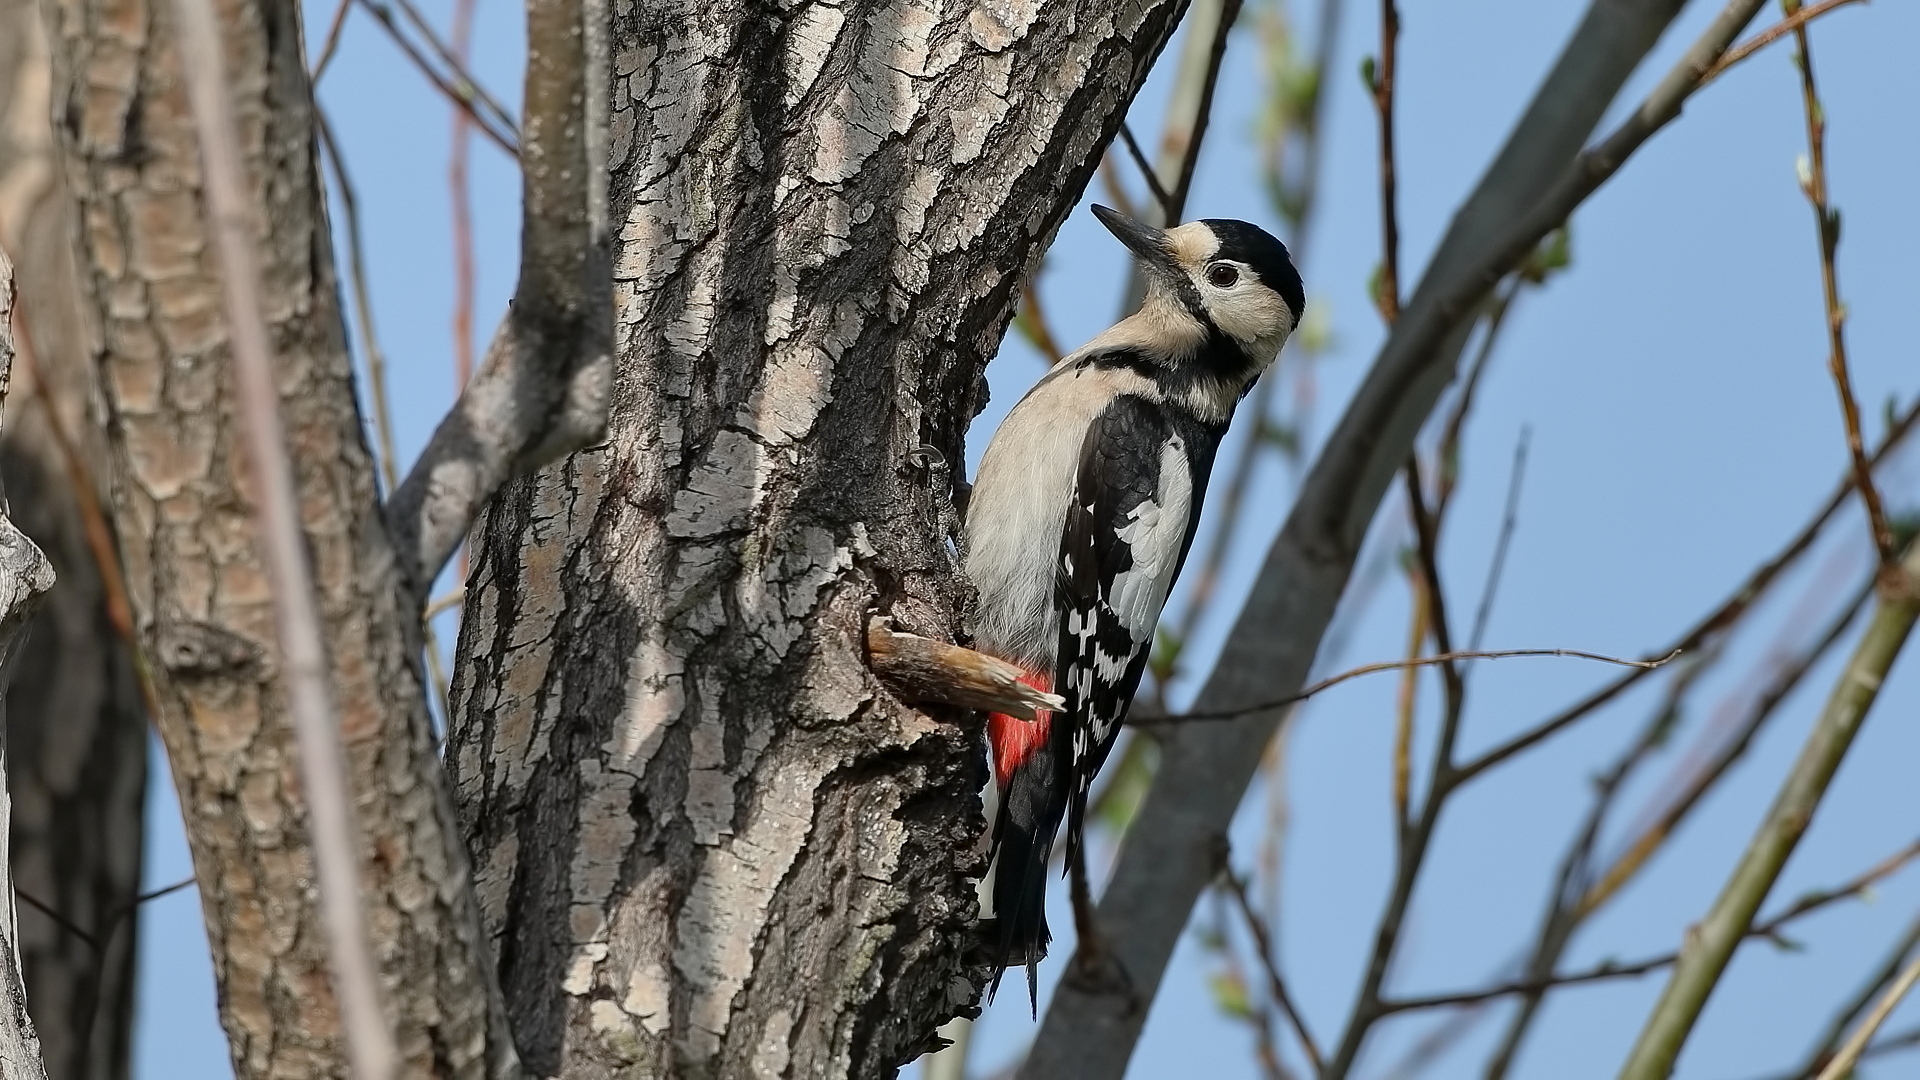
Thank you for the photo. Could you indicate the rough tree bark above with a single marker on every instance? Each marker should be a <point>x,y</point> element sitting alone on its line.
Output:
<point>77,734</point>
<point>186,531</point>
<point>25,575</point>
<point>706,843</point>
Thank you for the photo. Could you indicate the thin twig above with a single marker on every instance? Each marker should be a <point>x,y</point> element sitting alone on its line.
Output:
<point>456,59</point>
<point>1654,836</point>
<point>1769,929</point>
<point>1509,521</point>
<point>332,42</point>
<point>1720,619</point>
<point>466,94</point>
<point>1396,665</point>
<point>376,359</point>
<point>1276,986</point>
<point>1712,941</point>
<point>459,199</point>
<point>303,661</point>
<point>1827,223</point>
<point>1849,1055</point>
<point>448,602</point>
<point>1886,972</point>
<point>1388,294</point>
<point>1772,34</point>
<point>1140,161</point>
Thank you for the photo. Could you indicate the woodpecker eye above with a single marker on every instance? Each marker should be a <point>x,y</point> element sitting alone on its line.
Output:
<point>1222,275</point>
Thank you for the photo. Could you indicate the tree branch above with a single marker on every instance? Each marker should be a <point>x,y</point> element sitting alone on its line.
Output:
<point>1723,617</point>
<point>1380,85</point>
<point>1276,986</point>
<point>1711,942</point>
<point>1607,970</point>
<point>461,89</point>
<point>1395,665</point>
<point>323,770</point>
<point>1813,182</point>
<point>541,391</point>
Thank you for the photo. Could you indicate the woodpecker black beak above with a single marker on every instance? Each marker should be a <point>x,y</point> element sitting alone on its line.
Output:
<point>1149,243</point>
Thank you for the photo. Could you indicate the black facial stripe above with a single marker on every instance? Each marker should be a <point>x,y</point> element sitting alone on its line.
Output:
<point>1265,255</point>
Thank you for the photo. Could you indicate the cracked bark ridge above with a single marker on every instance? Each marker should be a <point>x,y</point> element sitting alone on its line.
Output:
<point>185,527</point>
<point>76,736</point>
<point>706,843</point>
<point>25,576</point>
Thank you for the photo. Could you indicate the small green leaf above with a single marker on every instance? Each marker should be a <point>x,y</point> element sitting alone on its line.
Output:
<point>1367,74</point>
<point>1230,995</point>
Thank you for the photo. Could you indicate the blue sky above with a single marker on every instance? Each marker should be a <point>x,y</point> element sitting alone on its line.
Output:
<point>1682,427</point>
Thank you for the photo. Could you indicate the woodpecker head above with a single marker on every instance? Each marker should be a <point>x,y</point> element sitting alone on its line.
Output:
<point>1218,277</point>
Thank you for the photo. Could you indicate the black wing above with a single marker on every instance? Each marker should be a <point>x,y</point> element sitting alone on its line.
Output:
<point>1105,638</point>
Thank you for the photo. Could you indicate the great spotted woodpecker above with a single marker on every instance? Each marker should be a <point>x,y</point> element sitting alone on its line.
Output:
<point>1081,516</point>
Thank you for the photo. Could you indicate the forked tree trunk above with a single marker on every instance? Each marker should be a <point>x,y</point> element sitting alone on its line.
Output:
<point>706,843</point>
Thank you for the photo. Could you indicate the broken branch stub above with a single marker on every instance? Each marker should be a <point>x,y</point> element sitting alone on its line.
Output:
<point>921,670</point>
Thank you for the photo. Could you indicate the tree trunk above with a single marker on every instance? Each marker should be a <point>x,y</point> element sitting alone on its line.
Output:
<point>202,613</point>
<point>25,575</point>
<point>77,734</point>
<point>707,844</point>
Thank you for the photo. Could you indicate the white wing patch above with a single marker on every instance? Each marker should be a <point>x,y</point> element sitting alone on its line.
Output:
<point>1153,533</point>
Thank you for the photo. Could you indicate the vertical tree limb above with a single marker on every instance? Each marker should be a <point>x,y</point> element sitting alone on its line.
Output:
<point>331,821</point>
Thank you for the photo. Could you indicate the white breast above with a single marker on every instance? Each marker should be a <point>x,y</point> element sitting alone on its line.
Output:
<point>1018,508</point>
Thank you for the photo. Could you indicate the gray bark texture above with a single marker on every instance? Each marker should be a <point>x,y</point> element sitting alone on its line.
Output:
<point>186,531</point>
<point>1174,846</point>
<point>77,732</point>
<point>706,842</point>
<point>25,576</point>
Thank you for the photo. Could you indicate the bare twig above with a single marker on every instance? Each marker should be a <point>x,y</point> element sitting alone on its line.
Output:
<point>462,90</point>
<point>443,604</point>
<point>1888,969</point>
<point>303,661</point>
<point>332,42</point>
<point>1729,612</point>
<point>1711,944</point>
<point>1769,929</point>
<point>1813,181</point>
<point>1842,1064</point>
<point>1650,839</point>
<point>1387,295</point>
<point>1580,890</point>
<point>541,391</point>
<point>376,359</point>
<point>1509,521</point>
<point>459,199</point>
<point>1160,196</point>
<point>1788,25</point>
<point>1276,986</point>
<point>455,57</point>
<point>1396,665</point>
